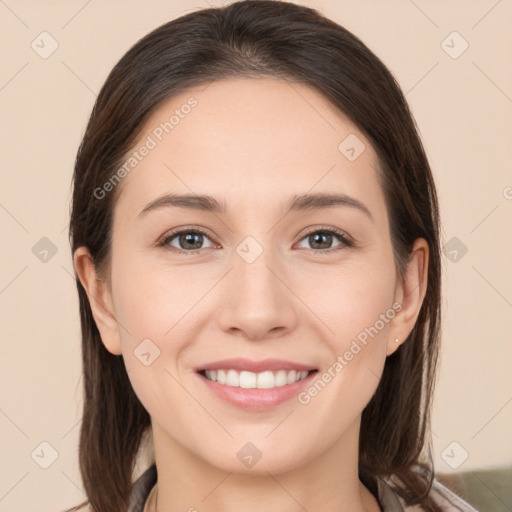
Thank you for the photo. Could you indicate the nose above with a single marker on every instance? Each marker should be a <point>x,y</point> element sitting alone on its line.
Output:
<point>258,301</point>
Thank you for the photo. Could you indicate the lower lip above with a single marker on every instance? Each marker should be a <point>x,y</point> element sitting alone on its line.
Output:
<point>256,399</point>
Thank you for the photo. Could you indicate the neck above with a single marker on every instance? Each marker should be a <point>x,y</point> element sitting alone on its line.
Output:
<point>328,483</point>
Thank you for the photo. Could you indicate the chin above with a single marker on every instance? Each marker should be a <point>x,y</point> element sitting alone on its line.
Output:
<point>248,459</point>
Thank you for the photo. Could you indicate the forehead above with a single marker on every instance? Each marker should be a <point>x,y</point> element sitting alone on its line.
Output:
<point>248,140</point>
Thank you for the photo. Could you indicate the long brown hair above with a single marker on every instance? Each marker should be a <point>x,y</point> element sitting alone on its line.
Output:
<point>259,38</point>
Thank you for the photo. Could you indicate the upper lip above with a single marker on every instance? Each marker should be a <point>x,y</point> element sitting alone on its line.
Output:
<point>255,366</point>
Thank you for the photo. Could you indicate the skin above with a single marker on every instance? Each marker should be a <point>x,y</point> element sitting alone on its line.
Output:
<point>254,143</point>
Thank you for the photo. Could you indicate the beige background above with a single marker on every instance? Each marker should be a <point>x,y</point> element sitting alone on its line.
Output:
<point>463,108</point>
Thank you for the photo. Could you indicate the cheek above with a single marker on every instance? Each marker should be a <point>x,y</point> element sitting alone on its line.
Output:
<point>350,297</point>
<point>359,312</point>
<point>154,316</point>
<point>355,304</point>
<point>160,308</point>
<point>155,301</point>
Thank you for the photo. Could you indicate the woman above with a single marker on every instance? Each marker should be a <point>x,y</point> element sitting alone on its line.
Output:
<point>255,235</point>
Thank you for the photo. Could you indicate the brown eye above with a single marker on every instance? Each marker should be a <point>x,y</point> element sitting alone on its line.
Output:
<point>322,240</point>
<point>185,241</point>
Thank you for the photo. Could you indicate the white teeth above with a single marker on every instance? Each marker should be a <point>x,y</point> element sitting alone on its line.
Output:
<point>248,380</point>
<point>292,377</point>
<point>251,380</point>
<point>233,378</point>
<point>280,379</point>
<point>266,380</point>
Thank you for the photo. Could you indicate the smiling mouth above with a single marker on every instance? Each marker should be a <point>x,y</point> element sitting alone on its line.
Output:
<point>251,380</point>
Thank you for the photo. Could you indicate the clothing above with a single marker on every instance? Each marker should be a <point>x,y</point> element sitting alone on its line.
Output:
<point>389,500</point>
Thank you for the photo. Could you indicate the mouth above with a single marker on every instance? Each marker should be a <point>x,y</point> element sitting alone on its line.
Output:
<point>250,380</point>
<point>255,385</point>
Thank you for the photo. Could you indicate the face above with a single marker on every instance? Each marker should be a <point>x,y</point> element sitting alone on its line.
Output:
<point>264,313</point>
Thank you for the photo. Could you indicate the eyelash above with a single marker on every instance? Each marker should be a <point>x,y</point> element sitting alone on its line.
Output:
<point>344,239</point>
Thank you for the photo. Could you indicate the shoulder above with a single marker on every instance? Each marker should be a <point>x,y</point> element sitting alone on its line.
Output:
<point>447,500</point>
<point>141,489</point>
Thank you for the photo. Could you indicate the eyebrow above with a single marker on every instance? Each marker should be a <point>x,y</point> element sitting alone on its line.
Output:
<point>301,202</point>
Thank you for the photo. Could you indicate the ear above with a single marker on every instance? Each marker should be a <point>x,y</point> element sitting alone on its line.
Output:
<point>100,300</point>
<point>410,295</point>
